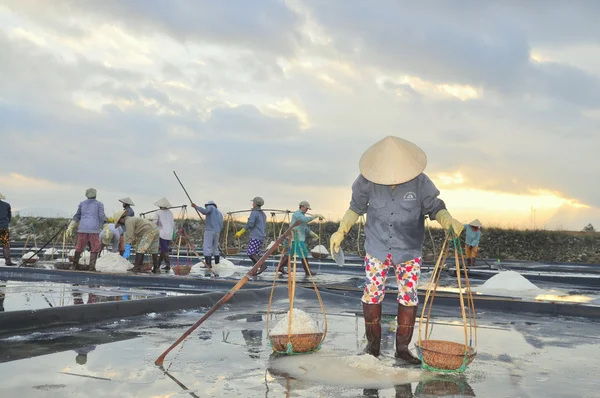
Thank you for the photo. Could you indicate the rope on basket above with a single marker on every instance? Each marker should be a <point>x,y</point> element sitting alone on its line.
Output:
<point>292,244</point>
<point>467,312</point>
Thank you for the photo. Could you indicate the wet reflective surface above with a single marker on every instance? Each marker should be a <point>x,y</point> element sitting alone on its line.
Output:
<point>229,355</point>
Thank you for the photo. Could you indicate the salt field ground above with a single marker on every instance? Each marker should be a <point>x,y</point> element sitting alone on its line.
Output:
<point>229,355</point>
<point>518,355</point>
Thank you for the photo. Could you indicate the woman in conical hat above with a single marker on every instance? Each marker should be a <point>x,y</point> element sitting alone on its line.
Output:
<point>165,221</point>
<point>472,237</point>
<point>396,196</point>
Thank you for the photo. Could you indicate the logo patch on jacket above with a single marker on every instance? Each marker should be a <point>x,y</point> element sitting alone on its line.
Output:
<point>410,196</point>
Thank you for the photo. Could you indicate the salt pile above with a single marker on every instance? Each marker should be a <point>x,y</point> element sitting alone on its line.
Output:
<point>270,245</point>
<point>320,249</point>
<point>113,263</point>
<point>302,323</point>
<point>509,283</point>
<point>51,251</point>
<point>224,268</point>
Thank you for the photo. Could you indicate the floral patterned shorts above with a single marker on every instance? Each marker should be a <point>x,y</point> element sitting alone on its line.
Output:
<point>149,242</point>
<point>407,275</point>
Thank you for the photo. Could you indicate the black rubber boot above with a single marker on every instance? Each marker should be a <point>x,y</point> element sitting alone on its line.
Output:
<point>307,270</point>
<point>282,265</point>
<point>155,266</point>
<point>7,260</point>
<point>208,261</point>
<point>137,265</point>
<point>372,315</point>
<point>76,258</point>
<point>404,332</point>
<point>217,259</point>
<point>93,258</point>
<point>167,261</point>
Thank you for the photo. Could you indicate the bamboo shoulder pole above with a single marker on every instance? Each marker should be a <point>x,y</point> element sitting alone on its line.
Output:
<point>159,361</point>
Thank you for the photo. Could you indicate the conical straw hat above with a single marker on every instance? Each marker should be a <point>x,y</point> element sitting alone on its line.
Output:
<point>162,202</point>
<point>127,201</point>
<point>392,161</point>
<point>475,223</point>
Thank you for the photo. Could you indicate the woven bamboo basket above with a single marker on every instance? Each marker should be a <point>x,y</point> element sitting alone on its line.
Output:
<point>444,388</point>
<point>319,256</point>
<point>446,355</point>
<point>71,258</point>
<point>232,251</point>
<point>182,269</point>
<point>30,261</point>
<point>300,342</point>
<point>62,265</point>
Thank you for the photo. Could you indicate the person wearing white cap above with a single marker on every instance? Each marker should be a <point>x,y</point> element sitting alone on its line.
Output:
<point>473,234</point>
<point>5,217</point>
<point>110,236</point>
<point>257,227</point>
<point>212,231</point>
<point>396,195</point>
<point>144,234</point>
<point>89,221</point>
<point>165,221</point>
<point>127,203</point>
<point>298,244</point>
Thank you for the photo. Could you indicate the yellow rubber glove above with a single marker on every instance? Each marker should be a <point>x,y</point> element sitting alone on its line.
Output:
<point>347,222</point>
<point>108,235</point>
<point>240,232</point>
<point>72,225</point>
<point>447,222</point>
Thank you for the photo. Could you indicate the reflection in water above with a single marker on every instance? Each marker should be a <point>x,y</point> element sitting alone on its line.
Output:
<point>2,296</point>
<point>82,354</point>
<point>180,384</point>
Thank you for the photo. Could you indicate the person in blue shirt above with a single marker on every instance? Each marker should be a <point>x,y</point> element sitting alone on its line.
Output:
<point>5,217</point>
<point>212,231</point>
<point>257,228</point>
<point>298,244</point>
<point>473,234</point>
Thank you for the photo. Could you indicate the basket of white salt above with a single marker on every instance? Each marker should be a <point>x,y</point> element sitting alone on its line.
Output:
<point>296,332</point>
<point>301,335</point>
<point>182,269</point>
<point>441,355</point>
<point>29,258</point>
<point>319,252</point>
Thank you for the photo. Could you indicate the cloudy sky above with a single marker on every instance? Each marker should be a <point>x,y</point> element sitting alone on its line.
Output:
<point>280,99</point>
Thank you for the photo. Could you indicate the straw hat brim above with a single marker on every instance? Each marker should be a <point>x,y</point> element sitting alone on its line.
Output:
<point>392,161</point>
<point>162,202</point>
<point>127,201</point>
<point>475,223</point>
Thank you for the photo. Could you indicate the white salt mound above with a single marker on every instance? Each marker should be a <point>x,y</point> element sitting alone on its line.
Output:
<point>504,281</point>
<point>113,263</point>
<point>320,249</point>
<point>225,268</point>
<point>270,245</point>
<point>302,323</point>
<point>28,255</point>
<point>50,251</point>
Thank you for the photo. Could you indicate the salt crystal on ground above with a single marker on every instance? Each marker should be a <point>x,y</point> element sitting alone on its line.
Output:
<point>320,249</point>
<point>302,323</point>
<point>113,263</point>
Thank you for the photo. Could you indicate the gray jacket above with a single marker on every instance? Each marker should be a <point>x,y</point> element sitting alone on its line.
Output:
<point>214,218</point>
<point>257,225</point>
<point>90,214</point>
<point>396,218</point>
<point>5,214</point>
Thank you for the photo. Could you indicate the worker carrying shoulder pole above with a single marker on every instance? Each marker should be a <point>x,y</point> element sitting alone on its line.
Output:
<point>473,234</point>
<point>298,247</point>
<point>212,231</point>
<point>396,196</point>
<point>257,229</point>
<point>89,221</point>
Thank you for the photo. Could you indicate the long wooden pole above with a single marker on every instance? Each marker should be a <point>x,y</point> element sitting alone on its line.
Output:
<point>159,361</point>
<point>186,194</point>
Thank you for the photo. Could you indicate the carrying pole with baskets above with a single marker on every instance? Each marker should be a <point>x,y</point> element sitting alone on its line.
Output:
<point>290,343</point>
<point>441,355</point>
